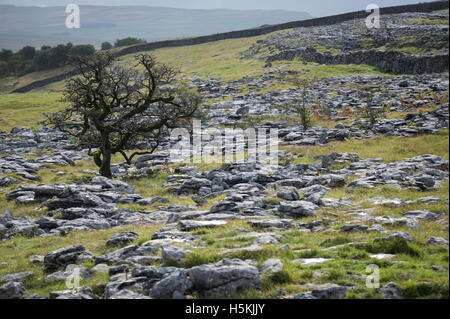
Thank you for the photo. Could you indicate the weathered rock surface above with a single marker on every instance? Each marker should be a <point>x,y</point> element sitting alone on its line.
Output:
<point>121,239</point>
<point>65,256</point>
<point>226,277</point>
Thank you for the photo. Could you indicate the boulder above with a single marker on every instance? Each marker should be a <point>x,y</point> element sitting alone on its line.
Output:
<point>17,277</point>
<point>333,292</point>
<point>80,293</point>
<point>112,184</point>
<point>62,257</point>
<point>271,223</point>
<point>118,255</point>
<point>297,209</point>
<point>391,291</point>
<point>173,255</point>
<point>12,290</point>
<point>173,286</point>
<point>226,277</point>
<point>401,236</point>
<point>188,225</point>
<point>121,239</point>
<point>82,199</point>
<point>423,214</point>
<point>288,193</point>
<point>437,241</point>
<point>271,266</point>
<point>128,294</point>
<point>63,275</point>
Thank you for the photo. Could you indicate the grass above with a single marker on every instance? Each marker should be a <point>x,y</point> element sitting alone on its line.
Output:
<point>412,261</point>
<point>25,109</point>
<point>220,59</point>
<point>389,148</point>
<point>410,268</point>
<point>428,21</point>
<point>15,254</point>
<point>8,84</point>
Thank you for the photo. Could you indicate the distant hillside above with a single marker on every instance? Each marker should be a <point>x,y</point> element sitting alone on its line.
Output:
<point>38,26</point>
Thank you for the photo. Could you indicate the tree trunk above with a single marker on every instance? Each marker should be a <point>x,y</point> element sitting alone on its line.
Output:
<point>105,169</point>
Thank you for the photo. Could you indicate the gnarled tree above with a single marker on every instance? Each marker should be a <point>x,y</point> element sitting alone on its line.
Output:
<point>112,108</point>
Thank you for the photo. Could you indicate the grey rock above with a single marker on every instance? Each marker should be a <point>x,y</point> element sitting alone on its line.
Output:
<point>271,266</point>
<point>401,236</point>
<point>12,290</point>
<point>173,255</point>
<point>80,293</point>
<point>271,223</point>
<point>128,294</point>
<point>17,277</point>
<point>330,293</point>
<point>423,214</point>
<point>36,259</point>
<point>391,291</point>
<point>355,228</point>
<point>112,184</point>
<point>334,292</point>
<point>153,200</point>
<point>288,193</point>
<point>437,241</point>
<point>297,209</point>
<point>82,199</point>
<point>188,225</point>
<point>224,206</point>
<point>226,277</point>
<point>62,257</point>
<point>173,286</point>
<point>63,275</point>
<point>100,268</point>
<point>118,255</point>
<point>121,239</point>
<point>199,200</point>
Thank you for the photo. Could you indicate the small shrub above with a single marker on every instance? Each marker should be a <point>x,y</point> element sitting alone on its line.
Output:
<point>281,277</point>
<point>197,259</point>
<point>393,247</point>
<point>369,111</point>
<point>339,240</point>
<point>429,290</point>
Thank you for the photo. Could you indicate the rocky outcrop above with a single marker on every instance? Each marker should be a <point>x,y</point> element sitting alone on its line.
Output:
<point>66,256</point>
<point>226,277</point>
<point>392,61</point>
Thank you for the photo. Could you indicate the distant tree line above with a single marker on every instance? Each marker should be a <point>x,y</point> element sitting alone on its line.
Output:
<point>29,59</point>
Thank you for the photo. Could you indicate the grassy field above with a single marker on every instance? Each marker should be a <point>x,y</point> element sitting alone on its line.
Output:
<point>26,109</point>
<point>422,271</point>
<point>8,84</point>
<point>222,59</point>
<point>410,268</point>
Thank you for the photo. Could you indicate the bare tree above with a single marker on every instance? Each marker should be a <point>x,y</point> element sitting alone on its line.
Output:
<point>117,107</point>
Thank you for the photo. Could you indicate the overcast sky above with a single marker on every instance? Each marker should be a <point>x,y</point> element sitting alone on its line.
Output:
<point>314,7</point>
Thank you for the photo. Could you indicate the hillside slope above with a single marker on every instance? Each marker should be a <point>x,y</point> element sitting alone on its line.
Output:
<point>38,26</point>
<point>341,39</point>
<point>362,190</point>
